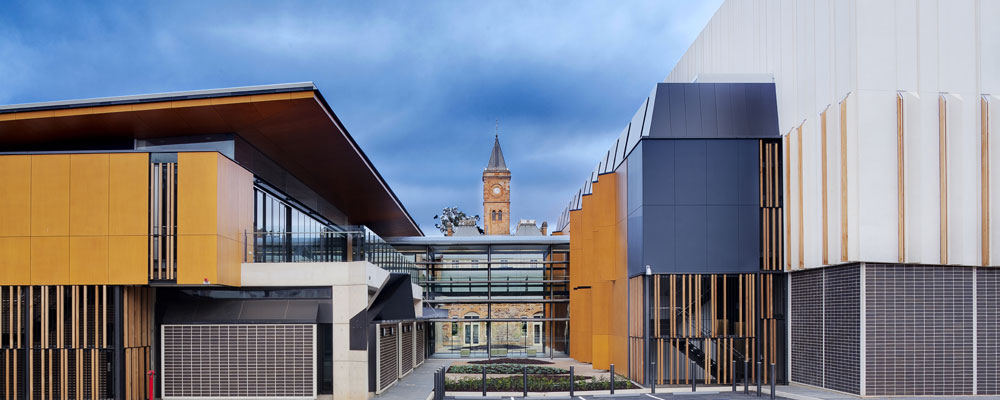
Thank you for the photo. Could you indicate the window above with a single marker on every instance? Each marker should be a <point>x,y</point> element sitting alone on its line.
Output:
<point>283,232</point>
<point>500,215</point>
<point>472,329</point>
<point>537,327</point>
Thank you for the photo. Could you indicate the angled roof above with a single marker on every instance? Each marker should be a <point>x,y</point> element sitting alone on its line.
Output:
<point>291,124</point>
<point>525,228</point>
<point>496,157</point>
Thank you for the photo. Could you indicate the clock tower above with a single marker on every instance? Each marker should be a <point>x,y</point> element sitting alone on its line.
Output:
<point>496,193</point>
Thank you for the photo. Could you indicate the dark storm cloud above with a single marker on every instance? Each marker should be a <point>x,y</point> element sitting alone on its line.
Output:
<point>418,84</point>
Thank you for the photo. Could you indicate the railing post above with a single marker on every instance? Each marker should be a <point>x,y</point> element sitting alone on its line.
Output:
<point>733,373</point>
<point>484,380</point>
<point>612,379</point>
<point>774,378</point>
<point>525,387</point>
<point>572,380</point>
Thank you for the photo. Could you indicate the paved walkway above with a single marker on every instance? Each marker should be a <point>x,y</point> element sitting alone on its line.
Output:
<point>798,392</point>
<point>418,384</point>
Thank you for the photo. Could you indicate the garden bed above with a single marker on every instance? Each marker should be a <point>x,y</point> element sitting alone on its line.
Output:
<point>536,383</point>
<point>505,369</point>
<point>512,361</point>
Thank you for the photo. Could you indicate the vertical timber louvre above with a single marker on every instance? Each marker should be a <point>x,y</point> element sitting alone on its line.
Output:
<point>163,221</point>
<point>56,342</point>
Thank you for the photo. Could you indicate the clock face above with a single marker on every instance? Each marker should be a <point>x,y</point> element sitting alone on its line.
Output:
<point>496,190</point>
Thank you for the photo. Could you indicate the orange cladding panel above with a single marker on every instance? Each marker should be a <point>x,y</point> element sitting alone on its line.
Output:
<point>50,195</point>
<point>128,260</point>
<point>15,196</point>
<point>601,354</point>
<point>197,217</point>
<point>618,342</point>
<point>197,193</point>
<point>581,327</point>
<point>15,260</point>
<point>586,233</point>
<point>50,260</point>
<point>88,197</point>
<point>600,307</point>
<point>235,204</point>
<point>88,260</point>
<point>197,259</point>
<point>129,194</point>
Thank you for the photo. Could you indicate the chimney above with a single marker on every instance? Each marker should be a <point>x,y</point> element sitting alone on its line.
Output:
<point>451,231</point>
<point>545,228</point>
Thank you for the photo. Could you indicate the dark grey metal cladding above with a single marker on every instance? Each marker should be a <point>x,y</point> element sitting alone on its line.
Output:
<point>694,206</point>
<point>712,110</point>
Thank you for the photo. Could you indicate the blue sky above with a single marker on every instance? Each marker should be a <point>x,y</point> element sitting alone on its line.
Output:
<point>418,84</point>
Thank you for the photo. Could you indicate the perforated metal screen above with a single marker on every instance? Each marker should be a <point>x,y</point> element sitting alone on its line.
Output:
<point>239,361</point>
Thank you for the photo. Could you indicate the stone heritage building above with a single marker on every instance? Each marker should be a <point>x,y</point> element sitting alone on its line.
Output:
<point>496,193</point>
<point>497,222</point>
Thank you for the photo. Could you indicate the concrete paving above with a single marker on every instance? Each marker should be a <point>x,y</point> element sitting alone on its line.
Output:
<point>416,385</point>
<point>800,392</point>
<point>708,395</point>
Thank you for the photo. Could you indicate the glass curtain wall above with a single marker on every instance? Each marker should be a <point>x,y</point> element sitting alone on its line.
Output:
<point>284,233</point>
<point>496,300</point>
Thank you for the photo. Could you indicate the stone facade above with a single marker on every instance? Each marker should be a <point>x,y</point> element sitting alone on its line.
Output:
<point>496,202</point>
<point>511,335</point>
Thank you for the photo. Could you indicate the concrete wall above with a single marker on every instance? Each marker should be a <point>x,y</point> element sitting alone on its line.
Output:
<point>350,281</point>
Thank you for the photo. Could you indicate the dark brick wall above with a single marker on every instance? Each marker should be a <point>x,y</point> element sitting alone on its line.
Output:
<point>807,327</point>
<point>988,330</point>
<point>842,329</point>
<point>919,330</point>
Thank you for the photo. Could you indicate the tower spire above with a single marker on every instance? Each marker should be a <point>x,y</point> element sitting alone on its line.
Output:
<point>496,156</point>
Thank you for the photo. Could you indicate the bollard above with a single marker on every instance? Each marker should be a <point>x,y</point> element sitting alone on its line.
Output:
<point>746,377</point>
<point>612,379</point>
<point>652,383</point>
<point>773,379</point>
<point>525,380</point>
<point>733,373</point>
<point>439,384</point>
<point>572,381</point>
<point>694,380</point>
<point>759,370</point>
<point>484,380</point>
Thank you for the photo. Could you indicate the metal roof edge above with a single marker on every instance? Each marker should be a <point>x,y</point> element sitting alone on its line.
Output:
<point>157,97</point>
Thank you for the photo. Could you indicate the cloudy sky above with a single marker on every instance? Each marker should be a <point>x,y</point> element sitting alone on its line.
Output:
<point>418,84</point>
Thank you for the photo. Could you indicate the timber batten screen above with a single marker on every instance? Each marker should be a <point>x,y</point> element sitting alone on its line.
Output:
<point>163,221</point>
<point>60,341</point>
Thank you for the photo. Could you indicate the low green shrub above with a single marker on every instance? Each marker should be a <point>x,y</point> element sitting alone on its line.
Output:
<point>505,369</point>
<point>536,383</point>
<point>511,361</point>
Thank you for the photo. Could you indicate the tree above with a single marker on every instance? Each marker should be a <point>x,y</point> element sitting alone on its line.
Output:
<point>451,217</point>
